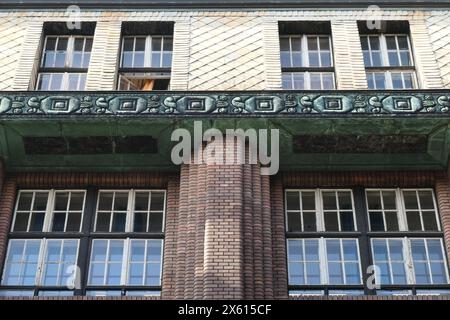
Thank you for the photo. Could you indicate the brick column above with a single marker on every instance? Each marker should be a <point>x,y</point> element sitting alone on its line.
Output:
<point>443,198</point>
<point>224,237</point>
<point>7,200</point>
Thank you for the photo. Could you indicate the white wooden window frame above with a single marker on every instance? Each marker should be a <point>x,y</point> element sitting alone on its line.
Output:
<point>130,207</point>
<point>371,70</point>
<point>320,216</point>
<point>125,264</point>
<point>401,209</point>
<point>408,260</point>
<point>323,258</point>
<point>147,51</point>
<point>48,218</point>
<point>43,245</point>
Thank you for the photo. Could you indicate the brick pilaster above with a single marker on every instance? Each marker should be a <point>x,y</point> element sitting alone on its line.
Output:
<point>443,199</point>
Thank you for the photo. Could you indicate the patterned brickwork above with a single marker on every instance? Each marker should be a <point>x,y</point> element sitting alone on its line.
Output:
<point>438,24</point>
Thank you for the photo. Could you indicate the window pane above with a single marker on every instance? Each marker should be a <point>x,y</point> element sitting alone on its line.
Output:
<point>37,221</point>
<point>329,200</point>
<point>295,249</point>
<point>292,200</point>
<point>313,273</point>
<point>315,81</point>
<point>141,201</point>
<point>335,273</point>
<point>429,221</point>
<point>347,221</point>
<point>155,222</point>
<point>105,201</point>
<point>414,223</point>
<point>389,200</point>
<point>140,222</point>
<point>119,220</point>
<point>294,222</point>
<point>21,222</point>
<point>397,82</point>
<point>345,200</point>
<point>40,201</point>
<point>74,221</point>
<point>391,221</point>
<point>312,250</point>
<point>333,250</point>
<point>435,250</point>
<point>374,200</point>
<point>296,274</point>
<point>352,273</point>
<point>309,219</point>
<point>76,201</point>
<point>157,201</point>
<point>308,201</point>
<point>61,201</point>
<point>331,221</point>
<point>103,221</point>
<point>59,220</point>
<point>426,200</point>
<point>25,199</point>
<point>121,201</point>
<point>376,221</point>
<point>391,43</point>
<point>298,81</point>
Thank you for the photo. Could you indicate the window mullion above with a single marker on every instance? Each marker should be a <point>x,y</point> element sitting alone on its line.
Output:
<point>323,261</point>
<point>403,224</point>
<point>428,260</point>
<point>304,46</point>
<point>384,51</point>
<point>125,261</point>
<point>319,211</point>
<point>148,57</point>
<point>40,264</point>
<point>408,259</point>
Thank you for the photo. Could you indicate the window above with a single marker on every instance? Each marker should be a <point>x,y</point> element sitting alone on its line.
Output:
<point>402,210</point>
<point>331,242</point>
<point>320,210</point>
<point>324,261</point>
<point>389,62</point>
<point>414,261</point>
<point>145,62</point>
<point>307,62</point>
<point>49,211</point>
<point>131,211</point>
<point>64,63</point>
<point>51,243</point>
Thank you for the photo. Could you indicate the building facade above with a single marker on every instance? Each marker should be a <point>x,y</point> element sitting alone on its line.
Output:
<point>92,204</point>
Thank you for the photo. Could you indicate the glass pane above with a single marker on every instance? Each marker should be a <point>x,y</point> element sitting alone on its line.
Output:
<point>314,59</point>
<point>315,81</point>
<point>156,59</point>
<point>312,273</point>
<point>128,44</point>
<point>119,220</point>
<point>410,200</point>
<point>324,43</point>
<point>385,273</point>
<point>438,273</point>
<point>374,43</point>
<point>136,274</point>
<point>393,59</point>
<point>121,201</point>
<point>389,200</point>
<point>396,250</point>
<point>331,221</point>
<point>309,220</point>
<point>296,274</point>
<point>141,201</point>
<point>364,43</point>
<point>61,200</point>
<point>413,218</point>
<point>88,45</point>
<point>347,221</point>
<point>153,277</point>
<point>380,81</point>
<point>397,82</point>
<point>418,250</point>
<point>127,60</point>
<point>292,201</point>
<point>73,82</point>
<point>286,79</point>
<point>139,44</point>
<point>37,221</point>
<point>157,201</point>
<point>429,221</point>
<point>311,250</point>
<point>284,44</point>
<point>105,201</point>
<point>376,221</point>
<point>285,57</point>
<point>298,81</point>
<point>391,221</point>
<point>366,56</point>
<point>402,42</point>
<point>99,250</point>
<point>21,222</point>
<point>329,200</point>
<point>391,43</point>
<point>103,221</point>
<point>312,44</point>
<point>308,201</point>
<point>345,200</point>
<point>422,273</point>
<point>40,201</point>
<point>140,222</point>
<point>59,220</point>
<point>154,250</point>
<point>74,221</point>
<point>333,250</point>
<point>404,58</point>
<point>116,250</point>
<point>325,58</point>
<point>352,274</point>
<point>167,44</point>
<point>426,200</point>
<point>350,250</point>
<point>435,250</point>
<point>380,250</point>
<point>374,200</point>
<point>25,201</point>
<point>328,81</point>
<point>295,249</point>
<point>114,271</point>
<point>335,273</point>
<point>155,222</point>
<point>76,201</point>
<point>376,59</point>
<point>156,44</point>
<point>398,273</point>
<point>15,250</point>
<point>294,222</point>
<point>96,274</point>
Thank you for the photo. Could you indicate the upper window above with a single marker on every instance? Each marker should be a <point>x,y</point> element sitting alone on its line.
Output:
<point>146,56</point>
<point>388,60</point>
<point>306,57</point>
<point>320,210</point>
<point>402,210</point>
<point>65,57</point>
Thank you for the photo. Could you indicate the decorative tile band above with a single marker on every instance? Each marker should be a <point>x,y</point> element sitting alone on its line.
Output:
<point>171,103</point>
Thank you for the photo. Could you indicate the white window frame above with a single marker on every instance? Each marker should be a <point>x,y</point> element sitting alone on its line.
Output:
<point>323,258</point>
<point>65,79</point>
<point>43,245</point>
<point>320,216</point>
<point>148,57</point>
<point>385,60</point>
<point>307,79</point>
<point>130,207</point>
<point>401,209</point>
<point>125,267</point>
<point>48,218</point>
<point>305,51</point>
<point>409,262</point>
